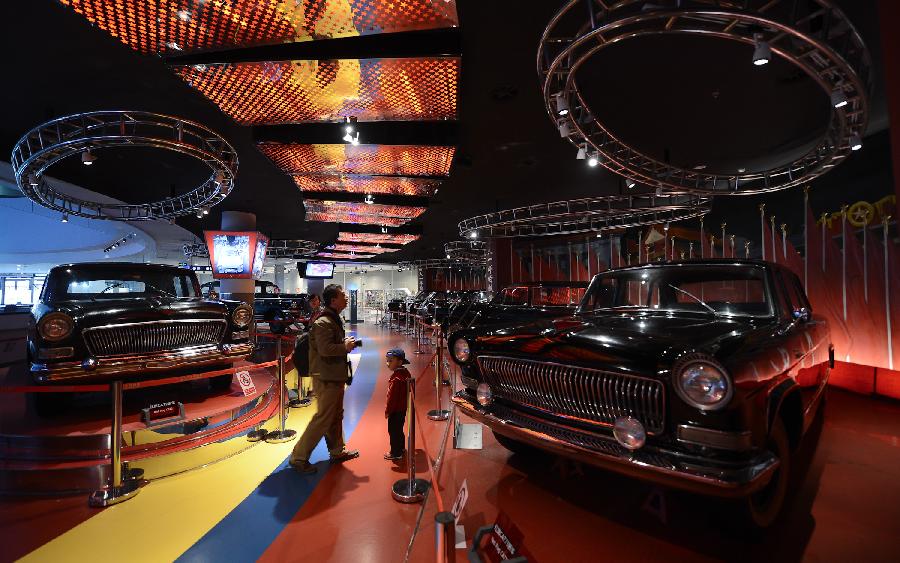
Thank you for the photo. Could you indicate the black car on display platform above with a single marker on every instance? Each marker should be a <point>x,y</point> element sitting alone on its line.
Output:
<point>102,321</point>
<point>522,302</point>
<point>272,306</point>
<point>701,375</point>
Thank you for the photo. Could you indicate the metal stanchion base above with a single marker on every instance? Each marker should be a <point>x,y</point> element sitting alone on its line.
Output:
<point>408,492</point>
<point>280,436</point>
<point>301,402</point>
<point>438,414</point>
<point>115,495</point>
<point>256,435</point>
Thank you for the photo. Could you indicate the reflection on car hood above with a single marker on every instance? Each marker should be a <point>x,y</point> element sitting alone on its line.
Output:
<point>135,310</point>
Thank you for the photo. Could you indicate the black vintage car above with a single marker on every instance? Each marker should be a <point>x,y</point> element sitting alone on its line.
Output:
<point>697,375</point>
<point>102,321</point>
<point>272,306</point>
<point>523,302</point>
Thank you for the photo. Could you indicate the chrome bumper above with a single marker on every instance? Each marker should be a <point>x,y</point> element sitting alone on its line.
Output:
<point>664,467</point>
<point>108,367</point>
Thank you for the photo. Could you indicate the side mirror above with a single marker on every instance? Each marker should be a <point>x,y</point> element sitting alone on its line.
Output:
<point>801,314</point>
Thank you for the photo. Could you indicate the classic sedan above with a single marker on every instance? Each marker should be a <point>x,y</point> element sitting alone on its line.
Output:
<point>101,321</point>
<point>700,375</point>
<point>521,302</point>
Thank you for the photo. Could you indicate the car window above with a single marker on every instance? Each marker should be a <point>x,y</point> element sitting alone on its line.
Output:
<point>794,294</point>
<point>119,283</point>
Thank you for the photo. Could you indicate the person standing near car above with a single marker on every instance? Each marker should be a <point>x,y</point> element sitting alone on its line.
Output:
<point>328,349</point>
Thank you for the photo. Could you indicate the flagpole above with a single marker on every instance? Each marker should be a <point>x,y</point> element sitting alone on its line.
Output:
<point>747,249</point>
<point>640,243</point>
<point>732,246</point>
<point>824,215</point>
<point>887,292</point>
<point>806,239</point>
<point>772,229</point>
<point>712,246</point>
<point>673,248</point>
<point>691,250</point>
<point>724,254</point>
<point>844,258</point>
<point>702,254</point>
<point>866,260</point>
<point>784,241</point>
<point>762,228</point>
<point>587,246</point>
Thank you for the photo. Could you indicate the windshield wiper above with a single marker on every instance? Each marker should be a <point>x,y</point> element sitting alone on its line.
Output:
<point>107,288</point>
<point>695,298</point>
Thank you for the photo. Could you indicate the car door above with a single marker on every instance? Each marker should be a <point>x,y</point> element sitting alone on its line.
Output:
<point>805,341</point>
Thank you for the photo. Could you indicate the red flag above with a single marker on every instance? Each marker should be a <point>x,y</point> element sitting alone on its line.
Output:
<point>893,293</point>
<point>789,256</point>
<point>704,243</point>
<point>820,292</point>
<point>767,242</point>
<point>867,347</point>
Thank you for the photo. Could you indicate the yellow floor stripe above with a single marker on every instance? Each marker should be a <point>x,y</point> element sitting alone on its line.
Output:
<point>170,515</point>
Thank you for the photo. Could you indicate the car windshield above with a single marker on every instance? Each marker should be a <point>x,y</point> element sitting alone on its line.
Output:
<point>118,283</point>
<point>726,290</point>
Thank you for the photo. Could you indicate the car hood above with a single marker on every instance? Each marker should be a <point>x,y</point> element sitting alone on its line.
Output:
<point>647,342</point>
<point>135,310</point>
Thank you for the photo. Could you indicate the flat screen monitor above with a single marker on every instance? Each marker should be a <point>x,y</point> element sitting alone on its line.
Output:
<point>322,270</point>
<point>261,244</point>
<point>236,254</point>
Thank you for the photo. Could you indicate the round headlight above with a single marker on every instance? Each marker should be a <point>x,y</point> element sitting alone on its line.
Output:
<point>242,315</point>
<point>55,326</point>
<point>629,432</point>
<point>703,385</point>
<point>461,351</point>
<point>484,395</point>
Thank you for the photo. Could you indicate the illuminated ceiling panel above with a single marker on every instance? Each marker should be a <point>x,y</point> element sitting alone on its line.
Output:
<point>178,26</point>
<point>392,185</point>
<point>261,93</point>
<point>399,160</point>
<point>359,248</point>
<point>375,238</point>
<point>359,213</point>
<point>343,255</point>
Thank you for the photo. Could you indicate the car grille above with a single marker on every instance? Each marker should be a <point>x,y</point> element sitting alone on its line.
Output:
<point>150,337</point>
<point>583,393</point>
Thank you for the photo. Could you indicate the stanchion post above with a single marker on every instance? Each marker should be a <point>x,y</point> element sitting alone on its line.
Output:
<point>118,489</point>
<point>281,435</point>
<point>300,401</point>
<point>410,490</point>
<point>444,537</point>
<point>438,413</point>
<point>418,336</point>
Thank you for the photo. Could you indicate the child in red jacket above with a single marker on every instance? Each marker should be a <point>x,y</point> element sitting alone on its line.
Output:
<point>395,409</point>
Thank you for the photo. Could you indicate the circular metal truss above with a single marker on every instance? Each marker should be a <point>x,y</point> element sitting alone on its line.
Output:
<point>594,214</point>
<point>467,250</point>
<point>814,35</point>
<point>276,249</point>
<point>83,134</point>
<point>439,263</point>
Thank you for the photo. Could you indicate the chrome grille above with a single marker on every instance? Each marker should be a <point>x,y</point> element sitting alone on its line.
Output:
<point>150,337</point>
<point>582,393</point>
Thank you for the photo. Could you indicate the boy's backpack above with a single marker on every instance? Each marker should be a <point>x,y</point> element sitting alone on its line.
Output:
<point>301,353</point>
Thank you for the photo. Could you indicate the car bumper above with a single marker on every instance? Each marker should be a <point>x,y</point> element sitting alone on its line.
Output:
<point>664,467</point>
<point>106,368</point>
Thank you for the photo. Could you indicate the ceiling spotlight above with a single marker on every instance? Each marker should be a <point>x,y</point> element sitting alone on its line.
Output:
<point>762,53</point>
<point>199,214</point>
<point>599,235</point>
<point>220,176</point>
<point>582,151</point>
<point>666,227</point>
<point>855,142</point>
<point>33,180</point>
<point>174,46</point>
<point>87,158</point>
<point>564,129</point>
<point>630,184</point>
<point>473,234</point>
<point>838,97</point>
<point>369,199</point>
<point>594,159</point>
<point>64,218</point>
<point>562,106</point>
<point>741,170</point>
<point>347,138</point>
<point>448,257</point>
<point>355,140</point>
<point>384,230</point>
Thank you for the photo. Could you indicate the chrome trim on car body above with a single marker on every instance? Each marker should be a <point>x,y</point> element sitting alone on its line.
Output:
<point>698,436</point>
<point>665,467</point>
<point>587,395</point>
<point>105,367</point>
<point>124,339</point>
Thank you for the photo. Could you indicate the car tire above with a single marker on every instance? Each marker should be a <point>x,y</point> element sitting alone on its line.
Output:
<point>762,508</point>
<point>514,445</point>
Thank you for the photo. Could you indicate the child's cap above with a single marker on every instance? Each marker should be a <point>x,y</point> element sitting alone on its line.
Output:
<point>397,353</point>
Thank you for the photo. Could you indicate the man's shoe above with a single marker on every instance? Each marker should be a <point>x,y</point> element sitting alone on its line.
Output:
<point>345,455</point>
<point>391,457</point>
<point>304,467</point>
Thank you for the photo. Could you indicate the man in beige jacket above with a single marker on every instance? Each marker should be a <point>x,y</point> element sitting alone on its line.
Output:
<point>328,348</point>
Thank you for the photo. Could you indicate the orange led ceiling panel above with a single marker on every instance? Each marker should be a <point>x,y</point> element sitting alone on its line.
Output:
<point>359,213</point>
<point>375,238</point>
<point>354,184</point>
<point>273,92</point>
<point>343,255</point>
<point>339,247</point>
<point>398,160</point>
<point>176,26</point>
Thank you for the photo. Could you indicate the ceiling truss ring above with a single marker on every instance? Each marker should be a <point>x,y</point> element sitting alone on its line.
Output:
<point>84,133</point>
<point>815,36</point>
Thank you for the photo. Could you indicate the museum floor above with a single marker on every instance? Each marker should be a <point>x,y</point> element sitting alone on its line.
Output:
<point>253,506</point>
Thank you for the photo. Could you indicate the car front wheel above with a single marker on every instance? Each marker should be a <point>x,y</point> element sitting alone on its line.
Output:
<point>763,507</point>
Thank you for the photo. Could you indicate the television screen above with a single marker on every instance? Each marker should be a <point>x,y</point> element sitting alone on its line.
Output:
<point>232,254</point>
<point>323,270</point>
<point>261,243</point>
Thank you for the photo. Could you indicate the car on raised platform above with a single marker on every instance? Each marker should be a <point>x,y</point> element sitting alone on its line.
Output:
<point>521,302</point>
<point>701,375</point>
<point>270,305</point>
<point>102,321</point>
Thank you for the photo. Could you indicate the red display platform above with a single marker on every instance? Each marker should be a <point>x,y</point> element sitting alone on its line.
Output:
<point>70,451</point>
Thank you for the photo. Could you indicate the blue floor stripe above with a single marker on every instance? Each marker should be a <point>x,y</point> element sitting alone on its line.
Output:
<point>253,525</point>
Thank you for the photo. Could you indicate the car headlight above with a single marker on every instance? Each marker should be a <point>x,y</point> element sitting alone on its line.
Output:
<point>242,316</point>
<point>703,384</point>
<point>55,326</point>
<point>461,350</point>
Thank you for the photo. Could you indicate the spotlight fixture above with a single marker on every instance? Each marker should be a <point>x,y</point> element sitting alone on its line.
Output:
<point>762,53</point>
<point>582,151</point>
<point>33,180</point>
<point>64,218</point>
<point>838,97</point>
<point>448,257</point>
<point>594,159</point>
<point>369,199</point>
<point>384,230</point>
<point>666,227</point>
<point>87,158</point>
<point>564,130</point>
<point>473,234</point>
<point>855,142</point>
<point>205,210</point>
<point>630,184</point>
<point>741,170</point>
<point>599,235</point>
<point>562,106</point>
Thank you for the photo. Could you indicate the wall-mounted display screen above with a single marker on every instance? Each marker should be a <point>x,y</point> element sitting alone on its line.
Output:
<point>236,254</point>
<point>324,270</point>
<point>261,244</point>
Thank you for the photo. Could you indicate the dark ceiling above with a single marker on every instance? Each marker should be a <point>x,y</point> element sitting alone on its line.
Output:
<point>693,101</point>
